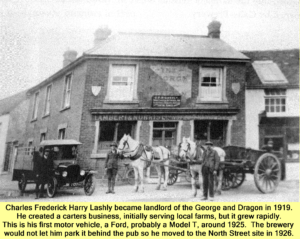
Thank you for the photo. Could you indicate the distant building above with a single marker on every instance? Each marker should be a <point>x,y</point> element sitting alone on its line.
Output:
<point>272,101</point>
<point>155,87</point>
<point>13,116</point>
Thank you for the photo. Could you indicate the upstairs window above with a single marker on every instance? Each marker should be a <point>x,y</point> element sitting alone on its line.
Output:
<point>43,137</point>
<point>211,83</point>
<point>62,133</point>
<point>47,100</point>
<point>67,92</point>
<point>35,105</point>
<point>122,86</point>
<point>275,100</point>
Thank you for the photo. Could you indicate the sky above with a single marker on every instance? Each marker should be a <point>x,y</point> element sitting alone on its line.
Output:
<point>35,33</point>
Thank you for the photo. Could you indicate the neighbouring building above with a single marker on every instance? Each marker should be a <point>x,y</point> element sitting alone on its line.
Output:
<point>13,116</point>
<point>155,87</point>
<point>272,101</point>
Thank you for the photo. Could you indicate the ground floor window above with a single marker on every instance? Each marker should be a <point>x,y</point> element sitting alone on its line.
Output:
<point>211,130</point>
<point>113,131</point>
<point>164,133</point>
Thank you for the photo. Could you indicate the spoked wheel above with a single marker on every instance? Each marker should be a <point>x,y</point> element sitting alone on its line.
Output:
<point>130,176</point>
<point>22,183</point>
<point>227,181</point>
<point>173,176</point>
<point>238,178</point>
<point>89,185</point>
<point>267,173</point>
<point>51,187</point>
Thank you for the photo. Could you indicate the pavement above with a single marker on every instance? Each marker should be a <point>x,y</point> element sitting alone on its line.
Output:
<point>287,191</point>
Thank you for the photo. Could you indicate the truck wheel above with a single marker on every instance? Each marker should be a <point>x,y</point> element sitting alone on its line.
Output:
<point>52,187</point>
<point>89,185</point>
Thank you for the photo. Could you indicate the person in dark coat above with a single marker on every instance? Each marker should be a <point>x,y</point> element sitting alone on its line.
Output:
<point>40,170</point>
<point>111,166</point>
<point>210,166</point>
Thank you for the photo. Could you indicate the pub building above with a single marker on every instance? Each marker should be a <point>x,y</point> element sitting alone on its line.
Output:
<point>155,87</point>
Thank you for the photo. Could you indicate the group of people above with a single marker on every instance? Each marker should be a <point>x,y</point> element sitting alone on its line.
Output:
<point>210,167</point>
<point>43,165</point>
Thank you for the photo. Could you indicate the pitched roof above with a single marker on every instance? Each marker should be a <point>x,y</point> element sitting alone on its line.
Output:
<point>269,73</point>
<point>165,45</point>
<point>11,102</point>
<point>286,60</point>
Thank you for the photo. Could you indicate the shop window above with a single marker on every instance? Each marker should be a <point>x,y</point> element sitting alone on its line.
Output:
<point>211,84</point>
<point>164,133</point>
<point>114,130</point>
<point>275,100</point>
<point>122,83</point>
<point>47,100</point>
<point>62,133</point>
<point>212,130</point>
<point>67,92</point>
<point>35,106</point>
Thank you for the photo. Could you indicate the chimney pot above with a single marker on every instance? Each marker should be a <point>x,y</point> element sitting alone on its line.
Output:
<point>69,56</point>
<point>214,29</point>
<point>101,34</point>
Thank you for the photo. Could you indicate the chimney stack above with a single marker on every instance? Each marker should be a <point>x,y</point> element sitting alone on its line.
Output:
<point>214,29</point>
<point>69,56</point>
<point>101,34</point>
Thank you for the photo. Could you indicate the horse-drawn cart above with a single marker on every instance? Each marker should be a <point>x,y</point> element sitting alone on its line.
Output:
<point>176,168</point>
<point>268,168</point>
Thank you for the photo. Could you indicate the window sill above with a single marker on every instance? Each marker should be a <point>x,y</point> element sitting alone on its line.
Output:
<point>66,108</point>
<point>33,120</point>
<point>120,102</point>
<point>211,102</point>
<point>45,116</point>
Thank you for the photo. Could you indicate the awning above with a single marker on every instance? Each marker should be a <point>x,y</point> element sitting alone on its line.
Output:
<point>59,142</point>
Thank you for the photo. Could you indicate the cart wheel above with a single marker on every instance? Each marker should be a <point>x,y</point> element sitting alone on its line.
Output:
<point>130,176</point>
<point>22,183</point>
<point>51,187</point>
<point>227,181</point>
<point>267,173</point>
<point>188,176</point>
<point>173,176</point>
<point>89,185</point>
<point>238,178</point>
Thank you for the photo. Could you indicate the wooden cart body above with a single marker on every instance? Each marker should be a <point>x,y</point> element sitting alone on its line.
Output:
<point>268,168</point>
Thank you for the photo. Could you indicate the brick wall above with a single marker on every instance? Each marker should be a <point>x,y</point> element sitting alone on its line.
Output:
<point>71,117</point>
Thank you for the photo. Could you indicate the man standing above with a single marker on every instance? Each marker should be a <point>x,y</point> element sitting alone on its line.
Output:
<point>40,170</point>
<point>210,166</point>
<point>111,167</point>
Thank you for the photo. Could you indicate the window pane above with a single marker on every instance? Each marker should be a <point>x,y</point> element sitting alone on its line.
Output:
<point>272,101</point>
<point>169,134</point>
<point>272,109</point>
<point>267,109</point>
<point>283,101</point>
<point>217,130</point>
<point>157,133</point>
<point>277,108</point>
<point>158,124</point>
<point>170,124</point>
<point>283,108</point>
<point>267,101</point>
<point>107,130</point>
<point>277,101</point>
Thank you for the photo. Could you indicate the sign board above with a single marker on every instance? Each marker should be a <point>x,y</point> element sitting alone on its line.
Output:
<point>166,101</point>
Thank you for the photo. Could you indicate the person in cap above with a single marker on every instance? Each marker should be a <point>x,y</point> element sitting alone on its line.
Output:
<point>40,170</point>
<point>111,166</point>
<point>210,166</point>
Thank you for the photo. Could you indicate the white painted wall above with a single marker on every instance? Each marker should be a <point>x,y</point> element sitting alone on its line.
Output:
<point>255,104</point>
<point>4,120</point>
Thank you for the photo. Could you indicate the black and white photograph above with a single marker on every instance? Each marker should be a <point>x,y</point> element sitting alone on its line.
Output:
<point>149,101</point>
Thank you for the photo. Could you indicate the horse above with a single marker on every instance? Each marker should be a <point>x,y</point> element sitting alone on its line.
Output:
<point>141,156</point>
<point>190,152</point>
